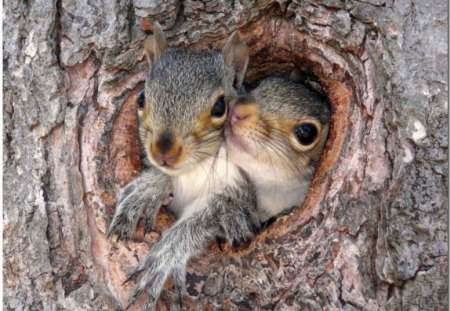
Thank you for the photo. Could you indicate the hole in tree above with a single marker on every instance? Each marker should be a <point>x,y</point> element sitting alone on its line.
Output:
<point>275,50</point>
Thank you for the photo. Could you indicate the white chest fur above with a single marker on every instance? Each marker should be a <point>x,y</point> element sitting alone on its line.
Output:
<point>276,192</point>
<point>192,191</point>
<point>276,197</point>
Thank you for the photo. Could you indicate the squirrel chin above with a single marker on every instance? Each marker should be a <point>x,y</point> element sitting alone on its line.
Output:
<point>174,171</point>
<point>171,171</point>
<point>233,140</point>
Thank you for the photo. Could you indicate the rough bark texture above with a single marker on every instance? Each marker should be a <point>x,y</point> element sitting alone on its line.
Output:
<point>372,234</point>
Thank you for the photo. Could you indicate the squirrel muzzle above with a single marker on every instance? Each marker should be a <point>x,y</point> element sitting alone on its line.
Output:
<point>166,150</point>
<point>243,111</point>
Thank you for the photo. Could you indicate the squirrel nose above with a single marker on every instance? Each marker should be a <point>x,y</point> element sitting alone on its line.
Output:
<point>242,110</point>
<point>238,116</point>
<point>166,150</point>
<point>165,160</point>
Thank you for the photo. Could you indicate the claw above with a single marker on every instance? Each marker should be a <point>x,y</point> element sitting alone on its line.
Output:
<point>256,228</point>
<point>180,299</point>
<point>245,241</point>
<point>235,244</point>
<point>151,304</point>
<point>128,279</point>
<point>131,276</point>
<point>269,222</point>
<point>110,237</point>
<point>179,282</point>
<point>137,270</point>
<point>109,232</point>
<point>219,242</point>
<point>113,226</point>
<point>148,226</point>
<point>155,289</point>
<point>134,296</point>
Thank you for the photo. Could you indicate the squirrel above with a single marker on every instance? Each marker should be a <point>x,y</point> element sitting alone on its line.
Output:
<point>182,113</point>
<point>276,134</point>
<point>274,139</point>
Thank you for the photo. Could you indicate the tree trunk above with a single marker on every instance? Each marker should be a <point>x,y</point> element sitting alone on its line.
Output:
<point>372,234</point>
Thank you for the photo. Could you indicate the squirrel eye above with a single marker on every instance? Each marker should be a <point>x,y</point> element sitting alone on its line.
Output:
<point>141,99</point>
<point>306,133</point>
<point>219,109</point>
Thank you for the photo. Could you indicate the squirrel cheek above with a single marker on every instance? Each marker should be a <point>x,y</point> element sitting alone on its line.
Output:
<point>189,141</point>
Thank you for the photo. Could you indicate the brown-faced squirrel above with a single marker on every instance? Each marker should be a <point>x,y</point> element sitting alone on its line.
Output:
<point>276,134</point>
<point>182,113</point>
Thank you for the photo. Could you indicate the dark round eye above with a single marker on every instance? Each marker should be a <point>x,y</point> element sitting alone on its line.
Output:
<point>141,99</point>
<point>306,133</point>
<point>219,109</point>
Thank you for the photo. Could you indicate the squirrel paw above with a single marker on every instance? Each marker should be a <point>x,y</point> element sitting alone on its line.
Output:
<point>144,194</point>
<point>160,263</point>
<point>239,228</point>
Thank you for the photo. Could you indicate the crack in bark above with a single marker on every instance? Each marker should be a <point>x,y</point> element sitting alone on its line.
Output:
<point>57,32</point>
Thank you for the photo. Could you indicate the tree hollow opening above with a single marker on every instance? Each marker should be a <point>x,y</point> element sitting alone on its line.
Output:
<point>276,48</point>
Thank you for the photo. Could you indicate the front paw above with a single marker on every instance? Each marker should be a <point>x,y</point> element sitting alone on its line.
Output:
<point>150,214</point>
<point>128,210</point>
<point>159,266</point>
<point>239,228</point>
<point>134,199</point>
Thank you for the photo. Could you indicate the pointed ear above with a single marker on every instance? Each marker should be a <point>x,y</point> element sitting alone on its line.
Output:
<point>155,44</point>
<point>235,57</point>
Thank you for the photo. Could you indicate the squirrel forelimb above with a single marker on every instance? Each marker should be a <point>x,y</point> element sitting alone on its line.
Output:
<point>230,213</point>
<point>143,195</point>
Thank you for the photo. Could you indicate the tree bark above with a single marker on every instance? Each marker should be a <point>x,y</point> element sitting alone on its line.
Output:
<point>372,234</point>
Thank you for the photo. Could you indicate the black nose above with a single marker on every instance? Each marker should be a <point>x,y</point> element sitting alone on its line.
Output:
<point>165,142</point>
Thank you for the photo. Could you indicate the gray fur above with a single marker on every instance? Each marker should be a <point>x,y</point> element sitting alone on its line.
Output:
<point>231,214</point>
<point>290,99</point>
<point>237,214</point>
<point>281,174</point>
<point>182,86</point>
<point>148,191</point>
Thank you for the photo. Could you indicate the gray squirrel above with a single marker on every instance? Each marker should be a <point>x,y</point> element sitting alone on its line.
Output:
<point>181,121</point>
<point>274,138</point>
<point>276,134</point>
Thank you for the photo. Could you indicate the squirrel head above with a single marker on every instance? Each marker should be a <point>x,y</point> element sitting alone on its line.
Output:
<point>281,127</point>
<point>184,104</point>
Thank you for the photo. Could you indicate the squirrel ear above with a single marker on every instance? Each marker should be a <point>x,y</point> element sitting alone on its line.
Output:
<point>155,44</point>
<point>235,56</point>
